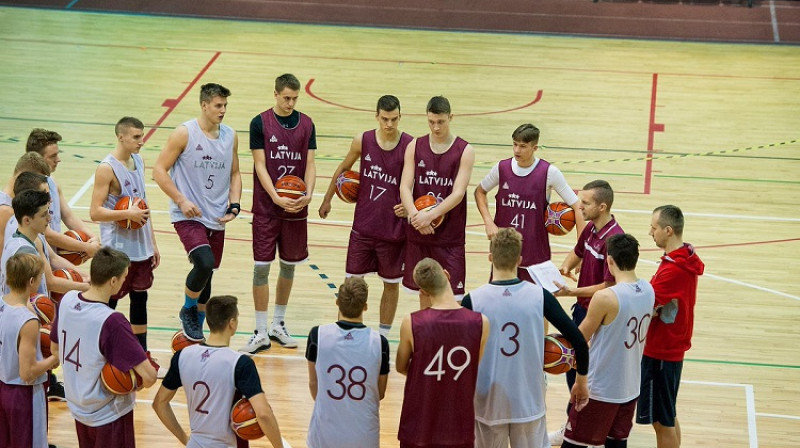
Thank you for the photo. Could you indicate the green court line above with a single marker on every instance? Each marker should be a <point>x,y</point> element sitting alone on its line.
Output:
<point>771,181</point>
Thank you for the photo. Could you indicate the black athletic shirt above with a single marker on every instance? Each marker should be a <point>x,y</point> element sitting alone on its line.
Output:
<point>257,129</point>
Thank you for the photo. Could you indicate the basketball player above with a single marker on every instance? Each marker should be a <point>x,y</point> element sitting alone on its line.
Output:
<point>121,173</point>
<point>509,400</point>
<point>440,348</point>
<point>377,241</point>
<point>87,334</point>
<point>670,332</point>
<point>438,164</point>
<point>23,372</point>
<point>525,183</point>
<point>348,369</point>
<point>29,162</point>
<point>283,142</point>
<point>589,253</point>
<point>204,188</point>
<point>214,377</point>
<point>45,143</point>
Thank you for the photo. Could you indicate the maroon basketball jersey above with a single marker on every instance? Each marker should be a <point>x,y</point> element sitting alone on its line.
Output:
<point>438,404</point>
<point>286,152</point>
<point>434,174</point>
<point>521,203</point>
<point>591,248</point>
<point>379,189</point>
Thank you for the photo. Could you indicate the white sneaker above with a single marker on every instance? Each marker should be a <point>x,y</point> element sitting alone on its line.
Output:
<point>281,335</point>
<point>557,437</point>
<point>257,343</point>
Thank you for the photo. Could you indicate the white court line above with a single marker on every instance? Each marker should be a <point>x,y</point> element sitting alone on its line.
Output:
<point>773,14</point>
<point>87,185</point>
<point>751,406</point>
<point>790,417</point>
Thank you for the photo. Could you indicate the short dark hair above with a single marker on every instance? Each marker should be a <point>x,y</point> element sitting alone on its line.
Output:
<point>438,105</point>
<point>28,181</point>
<point>286,80</point>
<point>670,215</point>
<point>32,161</point>
<point>22,267</point>
<point>506,247</point>
<point>603,194</point>
<point>28,203</point>
<point>624,249</point>
<point>107,263</point>
<point>40,138</point>
<point>387,103</point>
<point>220,310</point>
<point>526,133</point>
<point>211,90</point>
<point>352,297</point>
<point>127,122</point>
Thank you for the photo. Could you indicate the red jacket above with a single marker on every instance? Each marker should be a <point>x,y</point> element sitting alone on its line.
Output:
<point>676,278</point>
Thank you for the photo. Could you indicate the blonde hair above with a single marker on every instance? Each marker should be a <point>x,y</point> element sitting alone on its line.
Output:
<point>506,247</point>
<point>33,162</point>
<point>430,277</point>
<point>22,267</point>
<point>352,297</point>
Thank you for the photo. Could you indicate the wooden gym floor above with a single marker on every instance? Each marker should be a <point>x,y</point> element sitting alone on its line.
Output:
<point>709,127</point>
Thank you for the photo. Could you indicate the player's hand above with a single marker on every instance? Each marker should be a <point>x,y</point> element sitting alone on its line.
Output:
<point>156,257</point>
<point>324,209</point>
<point>138,215</point>
<point>491,230</point>
<point>297,205</point>
<point>94,239</point>
<point>421,220</point>
<point>563,290</point>
<point>567,273</point>
<point>400,211</point>
<point>579,396</point>
<point>91,248</point>
<point>189,209</point>
<point>228,217</point>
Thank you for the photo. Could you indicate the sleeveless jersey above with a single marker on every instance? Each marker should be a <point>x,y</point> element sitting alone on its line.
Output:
<point>521,202</point>
<point>202,173</point>
<point>379,189</point>
<point>438,404</point>
<point>12,318</point>
<point>55,205</point>
<point>286,152</point>
<point>509,389</point>
<point>616,349</point>
<point>136,243</point>
<point>13,244</point>
<point>348,366</point>
<point>435,174</point>
<point>5,199</point>
<point>207,375</point>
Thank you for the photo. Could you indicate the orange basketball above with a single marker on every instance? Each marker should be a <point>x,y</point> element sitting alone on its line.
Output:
<point>180,341</point>
<point>69,274</point>
<point>291,187</point>
<point>559,218</point>
<point>44,308</point>
<point>426,203</point>
<point>244,422</point>
<point>559,356</point>
<point>126,203</point>
<point>75,258</point>
<point>44,340</point>
<point>119,382</point>
<point>347,186</point>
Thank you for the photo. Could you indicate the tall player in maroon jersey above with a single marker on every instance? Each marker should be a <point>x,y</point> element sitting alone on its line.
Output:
<point>440,349</point>
<point>438,164</point>
<point>377,241</point>
<point>283,142</point>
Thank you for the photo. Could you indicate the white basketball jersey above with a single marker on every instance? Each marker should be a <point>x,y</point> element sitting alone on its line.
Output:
<point>12,318</point>
<point>79,325</point>
<point>202,173</point>
<point>510,386</point>
<point>616,349</point>
<point>346,409</point>
<point>207,375</point>
<point>55,205</point>
<point>13,244</point>
<point>136,243</point>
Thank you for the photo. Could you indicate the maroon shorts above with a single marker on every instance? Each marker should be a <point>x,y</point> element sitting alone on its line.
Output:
<point>23,416</point>
<point>119,433</point>
<point>366,255</point>
<point>140,278</point>
<point>289,237</point>
<point>600,420</point>
<point>452,259</point>
<point>194,234</point>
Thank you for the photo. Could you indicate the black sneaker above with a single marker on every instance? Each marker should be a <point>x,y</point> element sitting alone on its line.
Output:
<point>56,392</point>
<point>190,322</point>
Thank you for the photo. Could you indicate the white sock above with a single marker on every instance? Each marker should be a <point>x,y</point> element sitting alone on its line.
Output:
<point>261,322</point>
<point>280,314</point>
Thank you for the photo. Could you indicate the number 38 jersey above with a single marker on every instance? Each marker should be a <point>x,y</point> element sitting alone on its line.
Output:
<point>348,366</point>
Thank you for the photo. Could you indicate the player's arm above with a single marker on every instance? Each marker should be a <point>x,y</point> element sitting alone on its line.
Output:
<point>148,373</point>
<point>312,379</point>
<point>556,180</point>
<point>75,223</point>
<point>103,179</point>
<point>556,315</point>
<point>5,215</point>
<point>176,143</point>
<point>406,347</point>
<point>235,191</point>
<point>58,284</point>
<point>310,180</point>
<point>484,335</point>
<point>423,219</point>
<point>407,180</point>
<point>165,413</point>
<point>266,419</point>
<point>602,307</point>
<point>491,180</point>
<point>383,377</point>
<point>349,160</point>
<point>29,368</point>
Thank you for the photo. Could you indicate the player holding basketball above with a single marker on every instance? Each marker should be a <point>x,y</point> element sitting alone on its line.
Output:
<point>23,372</point>
<point>509,399</point>
<point>525,183</point>
<point>440,348</point>
<point>29,162</point>
<point>377,241</point>
<point>283,142</point>
<point>204,188</point>
<point>438,164</point>
<point>347,349</point>
<point>87,334</point>
<point>670,332</point>
<point>616,322</point>
<point>214,377</point>
<point>121,173</point>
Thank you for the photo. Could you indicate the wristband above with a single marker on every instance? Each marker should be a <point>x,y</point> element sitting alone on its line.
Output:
<point>232,207</point>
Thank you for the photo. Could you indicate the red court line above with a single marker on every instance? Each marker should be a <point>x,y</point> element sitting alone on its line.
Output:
<point>654,127</point>
<point>172,103</point>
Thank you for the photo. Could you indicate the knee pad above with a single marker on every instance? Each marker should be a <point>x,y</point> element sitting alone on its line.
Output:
<point>205,294</point>
<point>287,271</point>
<point>138,309</point>
<point>202,266</point>
<point>261,274</point>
